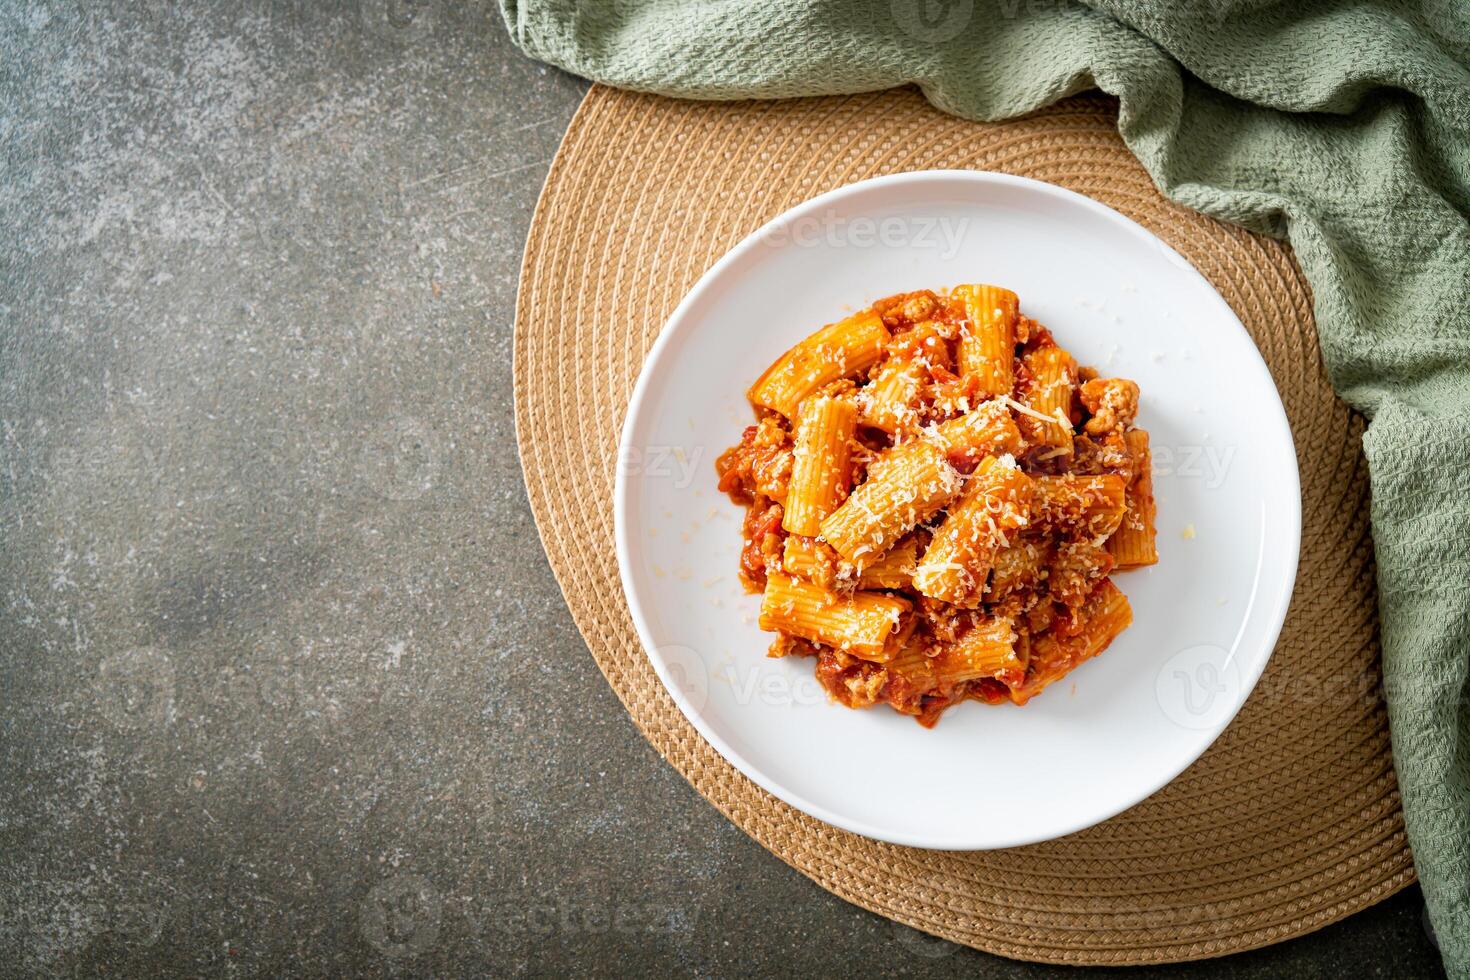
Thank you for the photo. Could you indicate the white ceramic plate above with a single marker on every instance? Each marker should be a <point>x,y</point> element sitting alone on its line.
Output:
<point>1205,618</point>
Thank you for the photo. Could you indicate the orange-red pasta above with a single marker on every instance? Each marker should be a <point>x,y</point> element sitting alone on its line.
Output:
<point>937,503</point>
<point>821,467</point>
<point>839,350</point>
<point>870,625</point>
<point>956,564</point>
<point>1133,543</point>
<point>914,481</point>
<point>988,341</point>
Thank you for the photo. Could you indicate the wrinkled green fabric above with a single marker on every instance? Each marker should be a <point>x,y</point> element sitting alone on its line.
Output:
<point>1342,126</point>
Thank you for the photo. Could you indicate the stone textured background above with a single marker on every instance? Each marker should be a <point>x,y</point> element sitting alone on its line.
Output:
<point>287,684</point>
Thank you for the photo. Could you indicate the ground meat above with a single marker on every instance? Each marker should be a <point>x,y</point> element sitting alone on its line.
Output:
<point>1101,455</point>
<point>952,396</point>
<point>764,543</point>
<point>786,645</point>
<point>1113,403</point>
<point>1075,570</point>
<point>760,465</point>
<point>920,306</point>
<point>904,310</point>
<point>848,680</point>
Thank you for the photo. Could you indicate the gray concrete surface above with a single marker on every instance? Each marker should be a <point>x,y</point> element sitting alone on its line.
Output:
<point>288,687</point>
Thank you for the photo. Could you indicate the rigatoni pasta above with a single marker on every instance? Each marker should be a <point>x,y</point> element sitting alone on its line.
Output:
<point>1087,506</point>
<point>821,462</point>
<point>985,648</point>
<point>1053,654</point>
<point>895,570</point>
<point>937,497</point>
<point>1046,394</point>
<point>839,350</point>
<point>1132,545</point>
<point>987,431</point>
<point>913,481</point>
<point>809,559</point>
<point>988,340</point>
<point>956,565</point>
<point>870,625</point>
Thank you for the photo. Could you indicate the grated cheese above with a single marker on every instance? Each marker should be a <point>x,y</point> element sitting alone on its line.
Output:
<point>1014,405</point>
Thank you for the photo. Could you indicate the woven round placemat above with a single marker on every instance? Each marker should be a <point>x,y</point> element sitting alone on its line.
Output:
<point>1289,822</point>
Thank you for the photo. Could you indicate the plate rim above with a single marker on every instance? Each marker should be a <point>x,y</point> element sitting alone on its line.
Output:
<point>676,324</point>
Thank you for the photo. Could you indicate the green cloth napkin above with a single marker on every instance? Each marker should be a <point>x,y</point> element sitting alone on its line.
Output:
<point>1343,126</point>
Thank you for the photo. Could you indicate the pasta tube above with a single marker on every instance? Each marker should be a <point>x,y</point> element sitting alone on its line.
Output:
<point>869,625</point>
<point>891,402</point>
<point>1105,614</point>
<point>1133,543</point>
<point>988,345</point>
<point>821,470</point>
<point>987,649</point>
<point>1048,398</point>
<point>1017,568</point>
<point>987,431</point>
<point>895,570</point>
<point>838,350</point>
<point>1092,505</point>
<point>957,562</point>
<point>808,559</point>
<point>912,482</point>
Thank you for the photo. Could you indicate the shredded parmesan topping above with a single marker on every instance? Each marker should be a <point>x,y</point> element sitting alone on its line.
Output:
<point>1000,556</point>
<point>1014,405</point>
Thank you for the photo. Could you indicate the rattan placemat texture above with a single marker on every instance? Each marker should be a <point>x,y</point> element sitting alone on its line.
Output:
<point>1289,822</point>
